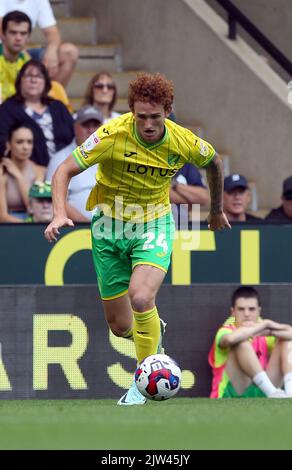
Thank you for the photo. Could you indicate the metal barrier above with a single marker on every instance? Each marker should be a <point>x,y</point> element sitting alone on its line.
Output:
<point>235,16</point>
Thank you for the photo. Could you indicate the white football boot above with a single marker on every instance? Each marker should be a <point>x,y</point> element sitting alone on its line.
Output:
<point>133,396</point>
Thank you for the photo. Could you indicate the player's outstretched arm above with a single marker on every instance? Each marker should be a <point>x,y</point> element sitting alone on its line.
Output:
<point>216,218</point>
<point>60,183</point>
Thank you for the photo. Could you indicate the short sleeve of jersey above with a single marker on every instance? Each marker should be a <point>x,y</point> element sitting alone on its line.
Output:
<point>95,149</point>
<point>201,153</point>
<point>220,354</point>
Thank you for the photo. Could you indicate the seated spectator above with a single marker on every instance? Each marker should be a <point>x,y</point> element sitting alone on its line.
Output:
<point>49,119</point>
<point>40,206</point>
<point>236,199</point>
<point>250,356</point>
<point>187,189</point>
<point>86,121</point>
<point>102,93</point>
<point>16,28</point>
<point>60,59</point>
<point>284,212</point>
<point>17,173</point>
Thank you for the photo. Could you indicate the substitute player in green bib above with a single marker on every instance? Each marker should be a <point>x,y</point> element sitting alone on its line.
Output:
<point>132,230</point>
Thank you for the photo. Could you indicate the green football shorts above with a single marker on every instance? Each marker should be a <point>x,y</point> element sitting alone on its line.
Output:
<point>119,246</point>
<point>252,391</point>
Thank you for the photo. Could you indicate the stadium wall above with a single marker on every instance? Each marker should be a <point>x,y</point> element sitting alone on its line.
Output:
<point>222,85</point>
<point>55,342</point>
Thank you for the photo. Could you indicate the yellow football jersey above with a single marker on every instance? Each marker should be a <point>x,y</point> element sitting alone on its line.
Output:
<point>133,177</point>
<point>8,73</point>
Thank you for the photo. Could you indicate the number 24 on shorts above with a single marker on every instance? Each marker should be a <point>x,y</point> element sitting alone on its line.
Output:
<point>160,242</point>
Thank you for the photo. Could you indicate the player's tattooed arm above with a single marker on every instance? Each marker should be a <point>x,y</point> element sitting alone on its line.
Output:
<point>217,219</point>
<point>215,181</point>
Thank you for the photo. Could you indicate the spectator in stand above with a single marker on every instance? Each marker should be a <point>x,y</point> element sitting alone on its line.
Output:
<point>187,189</point>
<point>236,199</point>
<point>49,119</point>
<point>16,27</point>
<point>250,356</point>
<point>86,121</point>
<point>102,93</point>
<point>17,174</point>
<point>40,206</point>
<point>284,212</point>
<point>59,58</point>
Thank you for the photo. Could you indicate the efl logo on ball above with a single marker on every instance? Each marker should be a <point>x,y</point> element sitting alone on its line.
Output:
<point>158,377</point>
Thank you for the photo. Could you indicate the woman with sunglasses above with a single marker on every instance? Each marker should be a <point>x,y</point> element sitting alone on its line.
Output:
<point>102,93</point>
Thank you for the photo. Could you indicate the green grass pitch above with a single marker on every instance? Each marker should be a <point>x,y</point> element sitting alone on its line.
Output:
<point>177,424</point>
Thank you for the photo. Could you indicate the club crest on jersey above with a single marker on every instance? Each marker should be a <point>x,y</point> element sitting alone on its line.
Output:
<point>173,159</point>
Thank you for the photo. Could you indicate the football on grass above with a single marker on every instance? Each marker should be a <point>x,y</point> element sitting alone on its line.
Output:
<point>158,377</point>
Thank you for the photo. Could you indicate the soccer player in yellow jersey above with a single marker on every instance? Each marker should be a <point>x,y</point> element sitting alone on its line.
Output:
<point>132,230</point>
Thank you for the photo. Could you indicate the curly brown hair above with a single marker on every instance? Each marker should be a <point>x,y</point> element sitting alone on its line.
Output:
<point>153,88</point>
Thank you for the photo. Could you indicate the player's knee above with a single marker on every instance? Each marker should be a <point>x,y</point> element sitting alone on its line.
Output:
<point>119,326</point>
<point>116,330</point>
<point>242,345</point>
<point>69,52</point>
<point>118,333</point>
<point>284,343</point>
<point>141,301</point>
